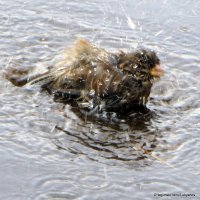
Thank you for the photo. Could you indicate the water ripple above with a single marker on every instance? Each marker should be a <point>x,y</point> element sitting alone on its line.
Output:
<point>51,151</point>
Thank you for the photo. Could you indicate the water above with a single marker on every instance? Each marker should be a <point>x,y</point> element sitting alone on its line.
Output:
<point>48,151</point>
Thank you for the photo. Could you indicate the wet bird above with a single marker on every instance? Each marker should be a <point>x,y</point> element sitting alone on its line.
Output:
<point>97,79</point>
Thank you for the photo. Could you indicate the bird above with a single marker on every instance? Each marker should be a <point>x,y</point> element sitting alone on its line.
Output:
<point>96,79</point>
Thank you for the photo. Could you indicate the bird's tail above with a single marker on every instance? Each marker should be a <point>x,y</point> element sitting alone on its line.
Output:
<point>21,77</point>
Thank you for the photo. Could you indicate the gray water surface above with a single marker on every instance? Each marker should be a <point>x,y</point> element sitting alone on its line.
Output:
<point>49,151</point>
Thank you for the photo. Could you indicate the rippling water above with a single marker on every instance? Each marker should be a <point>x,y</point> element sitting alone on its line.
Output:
<point>49,151</point>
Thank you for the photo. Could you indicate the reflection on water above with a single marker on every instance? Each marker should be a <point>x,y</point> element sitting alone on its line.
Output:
<point>126,139</point>
<point>51,151</point>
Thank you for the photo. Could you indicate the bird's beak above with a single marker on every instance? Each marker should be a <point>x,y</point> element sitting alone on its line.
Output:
<point>157,71</point>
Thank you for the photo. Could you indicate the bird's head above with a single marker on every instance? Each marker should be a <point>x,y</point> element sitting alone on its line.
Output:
<point>142,64</point>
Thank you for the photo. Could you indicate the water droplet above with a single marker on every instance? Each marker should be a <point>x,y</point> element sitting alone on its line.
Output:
<point>107,79</point>
<point>135,66</point>
<point>92,92</point>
